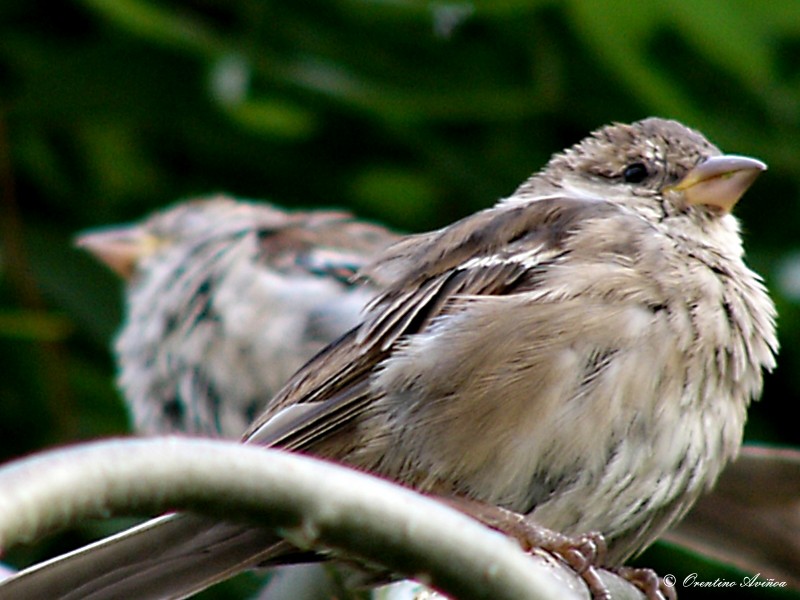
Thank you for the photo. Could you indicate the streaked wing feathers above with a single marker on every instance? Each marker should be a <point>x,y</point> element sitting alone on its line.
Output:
<point>471,263</point>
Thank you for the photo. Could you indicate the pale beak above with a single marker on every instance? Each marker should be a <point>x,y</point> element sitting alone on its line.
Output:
<point>120,248</point>
<point>719,181</point>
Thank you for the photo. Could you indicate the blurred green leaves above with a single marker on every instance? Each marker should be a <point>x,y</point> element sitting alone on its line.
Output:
<point>161,25</point>
<point>32,325</point>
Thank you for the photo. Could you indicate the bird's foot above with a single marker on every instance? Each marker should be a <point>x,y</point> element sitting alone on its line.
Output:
<point>583,553</point>
<point>647,580</point>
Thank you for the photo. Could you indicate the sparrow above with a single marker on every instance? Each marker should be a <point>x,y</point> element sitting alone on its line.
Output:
<point>225,299</point>
<point>582,353</point>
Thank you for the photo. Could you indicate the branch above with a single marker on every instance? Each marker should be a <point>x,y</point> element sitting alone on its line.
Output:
<point>313,503</point>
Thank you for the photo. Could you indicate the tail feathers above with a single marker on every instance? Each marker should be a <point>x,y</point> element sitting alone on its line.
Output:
<point>170,557</point>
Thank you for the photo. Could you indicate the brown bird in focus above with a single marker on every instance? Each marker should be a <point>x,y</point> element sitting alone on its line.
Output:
<point>224,301</point>
<point>582,353</point>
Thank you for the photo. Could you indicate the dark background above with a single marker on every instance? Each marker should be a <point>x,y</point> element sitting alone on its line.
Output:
<point>414,114</point>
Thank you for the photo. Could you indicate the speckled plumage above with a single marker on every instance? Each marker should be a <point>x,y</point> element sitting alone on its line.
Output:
<point>583,352</point>
<point>225,300</point>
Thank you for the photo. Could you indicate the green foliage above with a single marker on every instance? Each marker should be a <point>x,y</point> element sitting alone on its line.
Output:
<point>414,113</point>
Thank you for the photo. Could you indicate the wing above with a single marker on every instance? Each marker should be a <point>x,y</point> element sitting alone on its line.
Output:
<point>492,253</point>
<point>321,243</point>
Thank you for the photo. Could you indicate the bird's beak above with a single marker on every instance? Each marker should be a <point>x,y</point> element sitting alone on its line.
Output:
<point>119,248</point>
<point>719,181</point>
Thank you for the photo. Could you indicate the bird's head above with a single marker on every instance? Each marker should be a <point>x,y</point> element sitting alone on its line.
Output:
<point>657,166</point>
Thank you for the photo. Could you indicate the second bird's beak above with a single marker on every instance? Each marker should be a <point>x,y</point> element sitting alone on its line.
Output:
<point>119,248</point>
<point>719,181</point>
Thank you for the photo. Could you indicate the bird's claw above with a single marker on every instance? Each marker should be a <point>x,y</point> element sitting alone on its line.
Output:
<point>648,581</point>
<point>582,553</point>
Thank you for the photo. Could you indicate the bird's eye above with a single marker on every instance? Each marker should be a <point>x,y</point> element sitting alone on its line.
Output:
<point>635,173</point>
